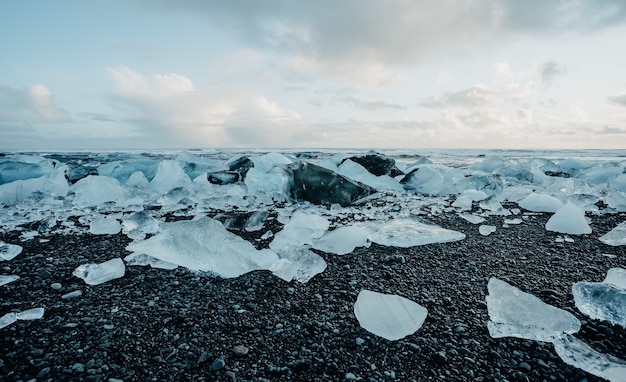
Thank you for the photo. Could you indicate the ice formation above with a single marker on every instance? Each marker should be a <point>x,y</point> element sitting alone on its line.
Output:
<point>615,237</point>
<point>514,313</point>
<point>569,219</point>
<point>143,259</point>
<point>342,240</point>
<point>9,251</point>
<point>6,279</point>
<point>407,232</point>
<point>388,315</point>
<point>578,354</point>
<point>203,244</point>
<point>298,264</point>
<point>540,203</point>
<point>29,314</point>
<point>486,230</point>
<point>95,274</point>
<point>95,190</point>
<point>603,301</point>
<point>104,225</point>
<point>303,228</point>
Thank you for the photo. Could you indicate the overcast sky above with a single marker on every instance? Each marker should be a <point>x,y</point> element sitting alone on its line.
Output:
<point>144,74</point>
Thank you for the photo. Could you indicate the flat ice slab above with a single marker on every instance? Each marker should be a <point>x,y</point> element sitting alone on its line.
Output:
<point>204,244</point>
<point>615,237</point>
<point>569,219</point>
<point>388,315</point>
<point>9,251</point>
<point>603,301</point>
<point>578,354</point>
<point>95,274</point>
<point>514,313</point>
<point>407,232</point>
<point>342,240</point>
<point>5,279</point>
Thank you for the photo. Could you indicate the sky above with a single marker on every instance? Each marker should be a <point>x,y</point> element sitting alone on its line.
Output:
<point>150,74</point>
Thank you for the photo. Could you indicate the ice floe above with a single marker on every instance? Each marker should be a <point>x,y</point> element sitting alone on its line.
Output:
<point>388,315</point>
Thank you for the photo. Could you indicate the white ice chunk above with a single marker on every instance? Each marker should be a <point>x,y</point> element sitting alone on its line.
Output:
<point>303,228</point>
<point>95,190</point>
<point>169,175</point>
<point>143,259</point>
<point>204,244</point>
<point>388,315</point>
<point>493,205</point>
<point>298,264</point>
<point>474,219</point>
<point>342,240</point>
<point>408,232</point>
<point>104,225</point>
<point>578,354</point>
<point>486,230</point>
<point>569,219</point>
<point>138,224</point>
<point>137,179</point>
<point>31,314</point>
<point>9,251</point>
<point>466,199</point>
<point>95,274</point>
<point>540,203</point>
<point>54,184</point>
<point>355,171</point>
<point>617,277</point>
<point>514,313</point>
<point>617,236</point>
<point>602,301</point>
<point>513,221</point>
<point>7,319</point>
<point>6,279</point>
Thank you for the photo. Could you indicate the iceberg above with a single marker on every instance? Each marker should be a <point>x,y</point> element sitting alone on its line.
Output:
<point>578,354</point>
<point>377,164</point>
<point>138,224</point>
<point>342,240</point>
<point>53,184</point>
<point>95,190</point>
<point>615,237</point>
<point>388,315</point>
<point>9,251</point>
<point>203,244</point>
<point>357,172</point>
<point>514,313</point>
<point>407,232</point>
<point>170,174</point>
<point>95,274</point>
<point>569,219</point>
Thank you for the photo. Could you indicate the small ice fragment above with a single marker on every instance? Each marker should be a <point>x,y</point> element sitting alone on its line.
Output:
<point>388,315</point>
<point>7,319</point>
<point>513,313</point>
<point>513,221</point>
<point>486,230</point>
<point>578,354</point>
<point>617,277</point>
<point>474,219</point>
<point>569,219</point>
<point>408,232</point>
<point>74,294</point>
<point>143,259</point>
<point>31,314</point>
<point>298,264</point>
<point>342,240</point>
<point>9,251</point>
<point>5,279</point>
<point>95,274</point>
<point>601,301</point>
<point>617,236</point>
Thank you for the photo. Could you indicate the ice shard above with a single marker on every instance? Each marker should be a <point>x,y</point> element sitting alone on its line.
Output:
<point>408,232</point>
<point>615,237</point>
<point>6,279</point>
<point>31,314</point>
<point>540,203</point>
<point>603,301</point>
<point>342,240</point>
<point>302,228</point>
<point>9,251</point>
<point>96,190</point>
<point>388,315</point>
<point>514,313</point>
<point>95,274</point>
<point>298,264</point>
<point>578,354</point>
<point>569,219</point>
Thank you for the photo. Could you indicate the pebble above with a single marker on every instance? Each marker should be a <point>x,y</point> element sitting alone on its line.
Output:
<point>56,286</point>
<point>218,364</point>
<point>240,350</point>
<point>524,366</point>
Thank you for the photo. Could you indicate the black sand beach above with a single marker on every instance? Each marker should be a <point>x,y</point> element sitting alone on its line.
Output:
<point>163,325</point>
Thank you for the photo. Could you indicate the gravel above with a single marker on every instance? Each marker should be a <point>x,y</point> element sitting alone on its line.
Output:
<point>163,325</point>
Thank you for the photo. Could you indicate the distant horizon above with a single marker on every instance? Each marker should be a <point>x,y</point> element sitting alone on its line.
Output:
<point>158,74</point>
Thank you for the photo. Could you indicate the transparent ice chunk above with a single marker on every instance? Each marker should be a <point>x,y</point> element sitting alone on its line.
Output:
<point>578,354</point>
<point>95,274</point>
<point>9,251</point>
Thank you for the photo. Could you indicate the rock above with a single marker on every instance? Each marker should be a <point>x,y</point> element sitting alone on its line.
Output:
<point>319,185</point>
<point>218,364</point>
<point>240,350</point>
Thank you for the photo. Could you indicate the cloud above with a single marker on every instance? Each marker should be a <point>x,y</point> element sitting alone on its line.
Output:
<point>374,106</point>
<point>618,100</point>
<point>611,130</point>
<point>172,107</point>
<point>549,71</point>
<point>32,104</point>
<point>478,96</point>
<point>367,37</point>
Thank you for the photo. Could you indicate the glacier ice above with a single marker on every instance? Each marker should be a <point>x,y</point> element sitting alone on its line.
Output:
<point>474,219</point>
<point>342,240</point>
<point>514,313</point>
<point>605,300</point>
<point>9,251</point>
<point>138,224</point>
<point>486,230</point>
<point>170,174</point>
<point>52,184</point>
<point>357,172</point>
<point>615,237</point>
<point>6,279</point>
<point>540,203</point>
<point>203,244</point>
<point>407,232</point>
<point>95,274</point>
<point>143,259</point>
<point>388,315</point>
<point>7,319</point>
<point>104,225</point>
<point>578,354</point>
<point>95,190</point>
<point>569,219</point>
<point>303,228</point>
<point>298,264</point>
<point>31,314</point>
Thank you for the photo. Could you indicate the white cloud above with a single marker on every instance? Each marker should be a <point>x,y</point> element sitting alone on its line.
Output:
<point>618,100</point>
<point>32,104</point>
<point>171,106</point>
